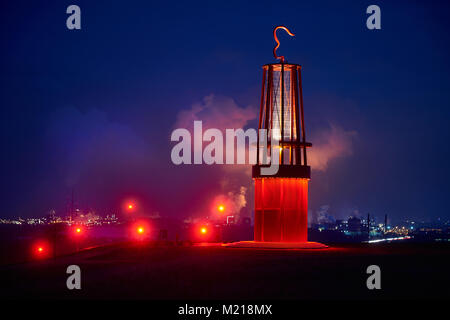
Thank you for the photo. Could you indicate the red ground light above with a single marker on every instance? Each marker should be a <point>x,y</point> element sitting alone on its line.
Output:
<point>202,232</point>
<point>41,250</point>
<point>78,231</point>
<point>130,205</point>
<point>140,230</point>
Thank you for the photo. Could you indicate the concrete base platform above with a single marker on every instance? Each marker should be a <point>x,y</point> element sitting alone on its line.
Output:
<point>275,245</point>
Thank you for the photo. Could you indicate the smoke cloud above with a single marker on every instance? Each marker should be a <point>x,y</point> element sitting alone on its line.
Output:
<point>216,112</point>
<point>223,113</point>
<point>329,144</point>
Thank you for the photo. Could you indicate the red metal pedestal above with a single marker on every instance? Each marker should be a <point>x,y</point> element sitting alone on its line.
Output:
<point>281,209</point>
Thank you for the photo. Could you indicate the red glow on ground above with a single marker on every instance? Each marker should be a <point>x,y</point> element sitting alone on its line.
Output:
<point>40,250</point>
<point>203,232</point>
<point>140,230</point>
<point>77,231</point>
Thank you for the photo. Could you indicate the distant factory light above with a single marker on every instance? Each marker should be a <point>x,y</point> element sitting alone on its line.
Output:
<point>221,208</point>
<point>203,230</point>
<point>140,230</point>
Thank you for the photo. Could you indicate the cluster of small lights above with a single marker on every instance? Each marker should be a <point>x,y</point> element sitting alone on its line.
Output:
<point>399,230</point>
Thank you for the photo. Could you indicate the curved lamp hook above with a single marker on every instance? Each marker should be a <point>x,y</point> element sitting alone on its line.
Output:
<point>278,42</point>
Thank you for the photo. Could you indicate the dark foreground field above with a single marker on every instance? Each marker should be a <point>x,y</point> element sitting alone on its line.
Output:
<point>146,271</point>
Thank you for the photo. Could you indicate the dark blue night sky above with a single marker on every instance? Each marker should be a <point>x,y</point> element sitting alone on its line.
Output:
<point>93,109</point>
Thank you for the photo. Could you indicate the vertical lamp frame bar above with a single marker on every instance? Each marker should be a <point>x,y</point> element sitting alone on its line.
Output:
<point>269,108</point>
<point>305,162</point>
<point>291,114</point>
<point>298,158</point>
<point>282,114</point>
<point>260,116</point>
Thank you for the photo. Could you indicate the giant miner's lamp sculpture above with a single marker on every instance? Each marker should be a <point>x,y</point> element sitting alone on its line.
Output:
<point>281,200</point>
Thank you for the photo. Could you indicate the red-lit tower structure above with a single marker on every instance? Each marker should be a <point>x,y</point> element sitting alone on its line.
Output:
<point>281,200</point>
